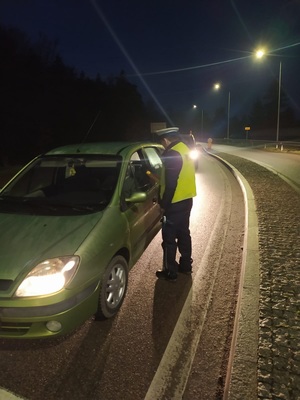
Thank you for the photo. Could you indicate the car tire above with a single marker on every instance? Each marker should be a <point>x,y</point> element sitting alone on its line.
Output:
<point>113,287</point>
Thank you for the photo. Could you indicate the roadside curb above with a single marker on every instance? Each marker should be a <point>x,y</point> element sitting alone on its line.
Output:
<point>241,379</point>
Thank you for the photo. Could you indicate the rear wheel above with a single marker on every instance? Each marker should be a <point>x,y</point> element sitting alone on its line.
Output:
<point>113,288</point>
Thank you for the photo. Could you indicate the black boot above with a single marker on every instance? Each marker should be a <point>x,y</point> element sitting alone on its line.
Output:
<point>185,267</point>
<point>167,275</point>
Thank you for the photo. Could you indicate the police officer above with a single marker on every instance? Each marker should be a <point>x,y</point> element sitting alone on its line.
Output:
<point>177,189</point>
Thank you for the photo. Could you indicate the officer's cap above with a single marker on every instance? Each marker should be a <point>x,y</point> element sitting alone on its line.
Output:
<point>161,133</point>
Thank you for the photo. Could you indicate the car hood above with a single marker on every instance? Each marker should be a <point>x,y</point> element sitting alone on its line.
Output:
<point>27,240</point>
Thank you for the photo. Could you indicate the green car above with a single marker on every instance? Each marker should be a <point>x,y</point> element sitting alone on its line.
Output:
<point>73,222</point>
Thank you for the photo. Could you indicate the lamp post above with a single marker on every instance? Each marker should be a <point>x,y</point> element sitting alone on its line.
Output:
<point>195,107</point>
<point>259,54</point>
<point>228,115</point>
<point>278,107</point>
<point>217,86</point>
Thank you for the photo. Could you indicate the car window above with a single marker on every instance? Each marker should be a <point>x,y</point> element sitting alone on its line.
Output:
<point>88,180</point>
<point>130,185</point>
<point>136,178</point>
<point>153,159</point>
<point>137,175</point>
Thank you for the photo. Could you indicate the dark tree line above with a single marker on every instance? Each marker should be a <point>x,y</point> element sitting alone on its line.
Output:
<point>44,103</point>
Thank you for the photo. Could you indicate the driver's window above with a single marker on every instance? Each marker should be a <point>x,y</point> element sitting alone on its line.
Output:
<point>136,179</point>
<point>154,160</point>
<point>130,184</point>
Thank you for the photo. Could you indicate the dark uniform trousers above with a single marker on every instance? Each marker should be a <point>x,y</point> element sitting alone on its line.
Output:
<point>176,235</point>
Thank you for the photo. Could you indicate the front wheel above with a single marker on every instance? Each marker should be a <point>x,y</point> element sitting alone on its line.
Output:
<point>113,288</point>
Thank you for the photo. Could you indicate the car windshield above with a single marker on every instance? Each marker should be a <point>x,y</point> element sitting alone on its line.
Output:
<point>63,185</point>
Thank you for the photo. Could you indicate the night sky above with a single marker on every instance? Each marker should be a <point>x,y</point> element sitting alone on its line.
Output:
<point>174,51</point>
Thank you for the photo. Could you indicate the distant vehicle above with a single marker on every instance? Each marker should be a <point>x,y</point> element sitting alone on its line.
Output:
<point>190,141</point>
<point>72,224</point>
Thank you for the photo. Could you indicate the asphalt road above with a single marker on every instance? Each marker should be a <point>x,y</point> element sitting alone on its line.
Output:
<point>169,340</point>
<point>286,164</point>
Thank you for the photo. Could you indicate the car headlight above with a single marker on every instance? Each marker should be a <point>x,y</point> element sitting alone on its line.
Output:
<point>194,154</point>
<point>48,277</point>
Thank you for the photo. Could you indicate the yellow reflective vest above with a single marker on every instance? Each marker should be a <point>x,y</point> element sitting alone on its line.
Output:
<point>186,185</point>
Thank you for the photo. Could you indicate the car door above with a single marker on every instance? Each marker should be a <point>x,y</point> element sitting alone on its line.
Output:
<point>153,166</point>
<point>143,217</point>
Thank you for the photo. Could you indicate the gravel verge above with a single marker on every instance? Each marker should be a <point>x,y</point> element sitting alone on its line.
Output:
<point>278,209</point>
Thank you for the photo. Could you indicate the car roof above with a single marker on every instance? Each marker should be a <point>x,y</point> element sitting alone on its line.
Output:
<point>107,148</point>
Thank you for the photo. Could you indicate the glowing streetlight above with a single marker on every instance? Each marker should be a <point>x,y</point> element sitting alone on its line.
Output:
<point>260,53</point>
<point>217,86</point>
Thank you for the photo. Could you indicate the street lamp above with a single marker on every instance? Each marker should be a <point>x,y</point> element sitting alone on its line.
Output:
<point>260,54</point>
<point>217,86</point>
<point>278,106</point>
<point>228,114</point>
<point>195,107</point>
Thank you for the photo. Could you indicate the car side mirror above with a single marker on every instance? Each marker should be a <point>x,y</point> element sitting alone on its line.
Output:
<point>137,197</point>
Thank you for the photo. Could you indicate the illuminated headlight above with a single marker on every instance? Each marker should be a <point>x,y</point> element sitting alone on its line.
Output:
<point>194,154</point>
<point>48,277</point>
